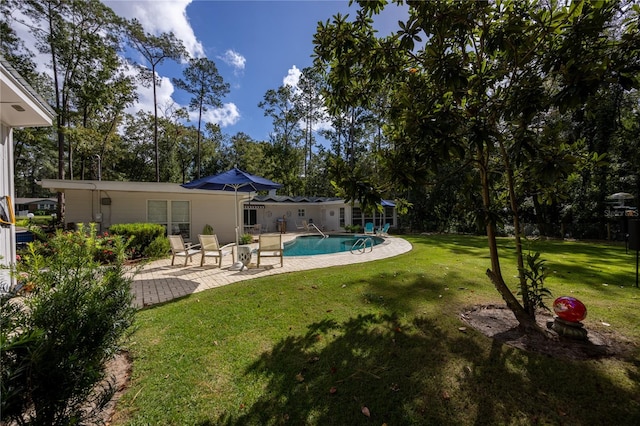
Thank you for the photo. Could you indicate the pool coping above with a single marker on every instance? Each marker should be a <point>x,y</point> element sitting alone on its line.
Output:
<point>159,282</point>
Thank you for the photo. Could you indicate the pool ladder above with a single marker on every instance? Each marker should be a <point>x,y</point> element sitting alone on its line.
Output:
<point>318,229</point>
<point>361,245</point>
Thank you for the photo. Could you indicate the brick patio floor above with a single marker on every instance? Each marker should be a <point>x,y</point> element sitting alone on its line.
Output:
<point>159,282</point>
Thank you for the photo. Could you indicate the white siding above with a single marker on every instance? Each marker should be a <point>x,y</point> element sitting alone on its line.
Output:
<point>215,209</point>
<point>318,213</point>
<point>7,233</point>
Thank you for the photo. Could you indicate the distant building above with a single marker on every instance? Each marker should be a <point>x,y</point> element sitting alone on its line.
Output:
<point>24,206</point>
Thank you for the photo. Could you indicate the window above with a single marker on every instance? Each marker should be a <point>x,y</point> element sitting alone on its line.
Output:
<point>175,216</point>
<point>388,215</point>
<point>301,213</point>
<point>250,217</point>
<point>342,224</point>
<point>356,216</point>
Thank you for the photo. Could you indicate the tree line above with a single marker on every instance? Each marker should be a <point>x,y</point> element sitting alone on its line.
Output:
<point>535,101</point>
<point>90,81</point>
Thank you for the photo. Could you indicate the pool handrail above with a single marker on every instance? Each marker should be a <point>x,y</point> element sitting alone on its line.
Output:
<point>318,229</point>
<point>361,245</point>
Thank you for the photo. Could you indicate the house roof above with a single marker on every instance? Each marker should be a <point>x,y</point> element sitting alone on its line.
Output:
<point>284,199</point>
<point>59,185</point>
<point>297,199</point>
<point>23,200</point>
<point>21,106</point>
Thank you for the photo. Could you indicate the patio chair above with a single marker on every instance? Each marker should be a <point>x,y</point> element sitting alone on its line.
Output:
<point>369,228</point>
<point>180,249</point>
<point>384,230</point>
<point>270,245</point>
<point>210,247</point>
<point>304,225</point>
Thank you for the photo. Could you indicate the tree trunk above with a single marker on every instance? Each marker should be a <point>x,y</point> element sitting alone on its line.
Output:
<point>155,124</point>
<point>524,289</point>
<point>526,322</point>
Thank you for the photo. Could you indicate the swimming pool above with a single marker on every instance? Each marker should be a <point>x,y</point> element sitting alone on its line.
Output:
<point>309,245</point>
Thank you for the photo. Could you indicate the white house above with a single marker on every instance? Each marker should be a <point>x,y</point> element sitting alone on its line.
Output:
<point>187,211</point>
<point>24,206</point>
<point>181,210</point>
<point>329,214</point>
<point>20,106</point>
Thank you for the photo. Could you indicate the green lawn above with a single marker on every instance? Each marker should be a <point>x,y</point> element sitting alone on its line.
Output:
<point>315,347</point>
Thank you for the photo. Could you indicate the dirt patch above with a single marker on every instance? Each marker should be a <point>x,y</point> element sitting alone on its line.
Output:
<point>499,323</point>
<point>118,370</point>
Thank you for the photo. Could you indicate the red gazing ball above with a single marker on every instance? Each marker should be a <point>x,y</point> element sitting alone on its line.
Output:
<point>569,309</point>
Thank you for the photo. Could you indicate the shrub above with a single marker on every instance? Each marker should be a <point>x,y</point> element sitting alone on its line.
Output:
<point>105,248</point>
<point>207,230</point>
<point>144,234</point>
<point>158,248</point>
<point>55,344</point>
<point>353,228</point>
<point>535,275</point>
<point>246,239</point>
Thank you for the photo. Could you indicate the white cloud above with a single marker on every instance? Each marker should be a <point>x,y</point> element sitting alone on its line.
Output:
<point>164,16</point>
<point>293,77</point>
<point>234,59</point>
<point>145,95</point>
<point>228,115</point>
<point>160,17</point>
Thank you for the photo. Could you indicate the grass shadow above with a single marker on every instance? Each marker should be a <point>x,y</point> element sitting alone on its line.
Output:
<point>422,373</point>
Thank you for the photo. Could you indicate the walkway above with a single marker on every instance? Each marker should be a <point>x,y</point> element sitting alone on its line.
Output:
<point>159,282</point>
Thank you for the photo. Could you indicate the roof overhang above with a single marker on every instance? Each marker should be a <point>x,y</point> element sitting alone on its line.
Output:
<point>59,185</point>
<point>20,105</point>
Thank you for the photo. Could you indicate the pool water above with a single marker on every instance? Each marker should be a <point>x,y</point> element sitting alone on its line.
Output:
<point>309,245</point>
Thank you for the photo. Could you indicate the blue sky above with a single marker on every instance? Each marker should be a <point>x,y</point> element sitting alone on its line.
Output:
<point>256,45</point>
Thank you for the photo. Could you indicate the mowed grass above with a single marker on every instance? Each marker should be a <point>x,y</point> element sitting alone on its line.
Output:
<point>379,343</point>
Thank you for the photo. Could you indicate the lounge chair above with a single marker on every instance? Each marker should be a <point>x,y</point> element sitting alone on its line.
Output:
<point>304,225</point>
<point>209,247</point>
<point>180,249</point>
<point>369,228</point>
<point>384,230</point>
<point>270,245</point>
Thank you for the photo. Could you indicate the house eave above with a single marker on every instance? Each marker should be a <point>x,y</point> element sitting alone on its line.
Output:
<point>60,185</point>
<point>21,105</point>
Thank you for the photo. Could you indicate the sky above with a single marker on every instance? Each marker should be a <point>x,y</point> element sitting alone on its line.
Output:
<point>256,45</point>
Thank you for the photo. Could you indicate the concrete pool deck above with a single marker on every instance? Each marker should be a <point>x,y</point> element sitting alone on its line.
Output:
<point>159,282</point>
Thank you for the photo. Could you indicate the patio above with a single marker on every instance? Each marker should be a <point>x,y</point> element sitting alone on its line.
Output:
<point>160,282</point>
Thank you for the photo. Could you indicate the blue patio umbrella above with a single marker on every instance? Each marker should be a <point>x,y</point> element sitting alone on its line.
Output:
<point>233,180</point>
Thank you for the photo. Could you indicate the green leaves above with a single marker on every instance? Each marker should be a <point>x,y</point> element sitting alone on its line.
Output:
<point>55,345</point>
<point>535,274</point>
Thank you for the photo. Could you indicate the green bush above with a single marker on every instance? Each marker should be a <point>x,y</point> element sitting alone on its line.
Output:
<point>104,247</point>
<point>56,341</point>
<point>38,220</point>
<point>144,234</point>
<point>158,248</point>
<point>353,228</point>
